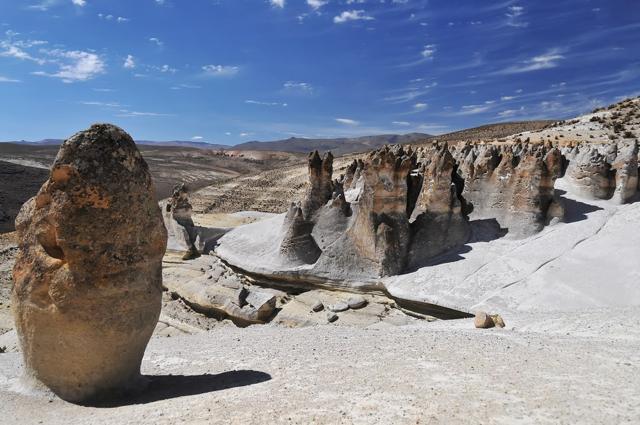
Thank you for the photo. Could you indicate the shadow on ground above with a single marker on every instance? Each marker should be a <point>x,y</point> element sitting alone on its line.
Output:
<point>165,387</point>
<point>575,210</point>
<point>482,230</point>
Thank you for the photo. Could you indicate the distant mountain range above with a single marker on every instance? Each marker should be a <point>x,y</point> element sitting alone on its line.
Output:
<point>338,146</point>
<point>344,145</point>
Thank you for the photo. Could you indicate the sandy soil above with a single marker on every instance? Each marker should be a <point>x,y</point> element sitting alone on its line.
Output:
<point>328,374</point>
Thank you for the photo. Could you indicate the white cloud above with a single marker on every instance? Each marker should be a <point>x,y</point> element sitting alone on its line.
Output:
<point>473,109</point>
<point>352,15</point>
<point>298,87</point>
<point>80,3</point>
<point>544,61</point>
<point>428,51</point>
<point>197,138</point>
<point>74,65</point>
<point>185,86</point>
<point>506,98</point>
<point>513,17</point>
<point>157,41</point>
<point>257,102</point>
<point>420,106</point>
<point>277,3</point>
<point>401,123</point>
<point>8,80</point>
<point>122,20</point>
<point>220,70</point>
<point>245,134</point>
<point>347,121</point>
<point>510,112</point>
<point>102,104</point>
<point>167,69</point>
<point>129,62</point>
<point>160,2</point>
<point>134,114</point>
<point>316,4</point>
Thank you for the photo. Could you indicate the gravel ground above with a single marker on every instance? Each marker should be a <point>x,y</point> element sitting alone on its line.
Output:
<point>329,374</point>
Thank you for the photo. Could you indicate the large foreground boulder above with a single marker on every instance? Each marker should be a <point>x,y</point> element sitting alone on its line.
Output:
<point>88,277</point>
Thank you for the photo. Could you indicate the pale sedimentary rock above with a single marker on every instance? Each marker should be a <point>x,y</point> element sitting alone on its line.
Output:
<point>513,184</point>
<point>376,238</point>
<point>625,166</point>
<point>298,245</point>
<point>88,277</point>
<point>320,183</point>
<point>590,174</point>
<point>438,222</point>
<point>182,232</point>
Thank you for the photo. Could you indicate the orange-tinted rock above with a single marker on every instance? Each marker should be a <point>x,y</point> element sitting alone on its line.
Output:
<point>87,292</point>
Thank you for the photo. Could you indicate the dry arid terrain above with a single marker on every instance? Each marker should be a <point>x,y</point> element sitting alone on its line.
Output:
<point>252,331</point>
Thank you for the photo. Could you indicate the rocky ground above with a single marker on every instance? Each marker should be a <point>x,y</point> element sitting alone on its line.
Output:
<point>329,374</point>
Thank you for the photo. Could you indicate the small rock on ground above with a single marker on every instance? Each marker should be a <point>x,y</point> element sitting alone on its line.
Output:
<point>357,302</point>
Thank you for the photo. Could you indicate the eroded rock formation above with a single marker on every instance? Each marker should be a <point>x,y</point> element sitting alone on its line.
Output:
<point>439,221</point>
<point>182,233</point>
<point>604,171</point>
<point>87,292</point>
<point>513,184</point>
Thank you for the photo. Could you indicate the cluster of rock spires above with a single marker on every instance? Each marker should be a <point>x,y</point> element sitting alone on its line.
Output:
<point>398,209</point>
<point>387,212</point>
<point>604,171</point>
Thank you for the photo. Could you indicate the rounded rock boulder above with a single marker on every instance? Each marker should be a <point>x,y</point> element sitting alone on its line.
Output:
<point>88,276</point>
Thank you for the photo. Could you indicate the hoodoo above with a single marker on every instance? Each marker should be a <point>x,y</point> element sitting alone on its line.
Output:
<point>88,277</point>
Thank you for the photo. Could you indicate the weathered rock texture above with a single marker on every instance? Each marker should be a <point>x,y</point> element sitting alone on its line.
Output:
<point>439,221</point>
<point>176,213</point>
<point>512,183</point>
<point>87,292</point>
<point>320,183</point>
<point>604,171</point>
<point>222,293</point>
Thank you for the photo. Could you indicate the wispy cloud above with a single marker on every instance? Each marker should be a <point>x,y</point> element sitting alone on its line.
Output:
<point>257,102</point>
<point>298,87</point>
<point>156,41</point>
<point>420,106</point>
<point>220,70</point>
<point>103,104</point>
<point>8,80</point>
<point>347,121</point>
<point>277,3</point>
<point>547,60</point>
<point>125,113</point>
<point>401,123</point>
<point>185,86</point>
<point>80,3</point>
<point>352,15</point>
<point>514,17</point>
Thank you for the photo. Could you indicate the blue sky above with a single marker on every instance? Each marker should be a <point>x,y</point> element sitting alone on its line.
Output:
<point>229,71</point>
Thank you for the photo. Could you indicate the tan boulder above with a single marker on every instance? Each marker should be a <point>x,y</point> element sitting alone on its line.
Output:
<point>87,279</point>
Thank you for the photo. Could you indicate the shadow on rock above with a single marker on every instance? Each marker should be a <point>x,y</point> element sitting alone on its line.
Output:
<point>575,210</point>
<point>485,230</point>
<point>165,387</point>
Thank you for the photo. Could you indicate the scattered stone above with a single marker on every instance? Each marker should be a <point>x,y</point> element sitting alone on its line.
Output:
<point>339,306</point>
<point>317,306</point>
<point>483,320</point>
<point>331,317</point>
<point>88,276</point>
<point>497,320</point>
<point>356,302</point>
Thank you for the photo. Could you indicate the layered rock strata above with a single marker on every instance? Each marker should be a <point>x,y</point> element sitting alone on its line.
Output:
<point>438,221</point>
<point>513,184</point>
<point>604,171</point>
<point>88,275</point>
